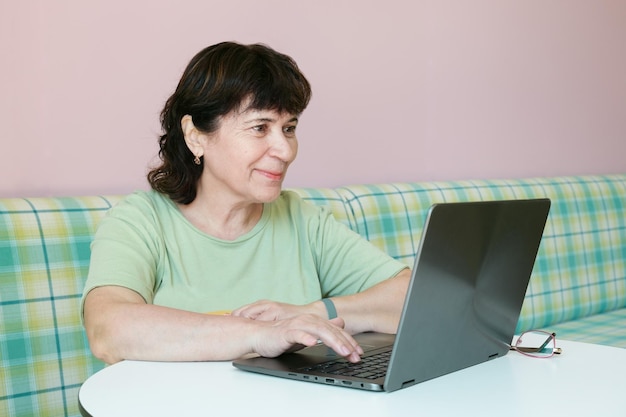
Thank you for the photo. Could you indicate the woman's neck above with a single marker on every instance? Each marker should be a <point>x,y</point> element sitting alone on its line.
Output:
<point>222,220</point>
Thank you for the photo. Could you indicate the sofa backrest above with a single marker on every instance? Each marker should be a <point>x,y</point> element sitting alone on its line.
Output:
<point>45,249</point>
<point>581,265</point>
<point>44,257</point>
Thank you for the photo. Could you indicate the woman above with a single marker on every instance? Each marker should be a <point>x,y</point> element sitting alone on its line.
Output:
<point>216,233</point>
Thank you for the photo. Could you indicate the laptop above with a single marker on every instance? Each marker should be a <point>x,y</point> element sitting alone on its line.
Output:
<point>464,299</point>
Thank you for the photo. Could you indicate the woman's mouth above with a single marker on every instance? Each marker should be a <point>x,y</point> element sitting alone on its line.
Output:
<point>271,175</point>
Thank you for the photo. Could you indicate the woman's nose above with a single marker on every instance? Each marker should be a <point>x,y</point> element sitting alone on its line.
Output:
<point>283,147</point>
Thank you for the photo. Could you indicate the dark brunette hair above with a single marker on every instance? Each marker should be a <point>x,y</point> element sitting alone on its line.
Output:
<point>216,81</point>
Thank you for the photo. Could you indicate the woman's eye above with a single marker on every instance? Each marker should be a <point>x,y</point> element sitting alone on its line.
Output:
<point>260,128</point>
<point>290,130</point>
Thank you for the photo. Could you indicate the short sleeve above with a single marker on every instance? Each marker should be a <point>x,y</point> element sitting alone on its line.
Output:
<point>126,247</point>
<point>348,263</point>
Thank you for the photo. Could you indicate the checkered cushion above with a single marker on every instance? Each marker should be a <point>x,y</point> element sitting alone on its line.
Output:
<point>580,270</point>
<point>604,329</point>
<point>44,256</point>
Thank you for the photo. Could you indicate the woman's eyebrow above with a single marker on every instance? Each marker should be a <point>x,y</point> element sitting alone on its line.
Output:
<point>269,120</point>
<point>260,119</point>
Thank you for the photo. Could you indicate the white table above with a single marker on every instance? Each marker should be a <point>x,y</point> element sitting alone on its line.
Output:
<point>586,380</point>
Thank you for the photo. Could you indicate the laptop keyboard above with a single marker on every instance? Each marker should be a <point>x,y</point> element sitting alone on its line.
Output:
<point>370,367</point>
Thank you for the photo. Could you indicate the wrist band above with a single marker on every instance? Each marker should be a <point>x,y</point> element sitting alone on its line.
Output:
<point>330,308</point>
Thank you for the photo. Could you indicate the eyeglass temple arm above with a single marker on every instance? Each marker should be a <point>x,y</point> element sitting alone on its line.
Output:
<point>540,348</point>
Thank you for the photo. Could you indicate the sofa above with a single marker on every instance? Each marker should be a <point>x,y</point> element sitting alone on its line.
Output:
<point>577,288</point>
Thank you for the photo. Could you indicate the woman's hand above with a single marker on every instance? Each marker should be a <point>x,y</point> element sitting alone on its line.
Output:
<point>285,335</point>
<point>293,327</point>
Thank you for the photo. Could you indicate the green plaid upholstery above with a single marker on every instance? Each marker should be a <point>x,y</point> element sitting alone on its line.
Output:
<point>44,256</point>
<point>581,266</point>
<point>578,286</point>
<point>604,329</point>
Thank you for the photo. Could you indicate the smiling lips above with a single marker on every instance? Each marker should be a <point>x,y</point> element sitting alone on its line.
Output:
<point>271,175</point>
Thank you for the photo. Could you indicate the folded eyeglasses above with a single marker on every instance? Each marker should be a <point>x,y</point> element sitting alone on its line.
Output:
<point>537,344</point>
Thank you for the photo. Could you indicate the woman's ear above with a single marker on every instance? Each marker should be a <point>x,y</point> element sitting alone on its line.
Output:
<point>193,138</point>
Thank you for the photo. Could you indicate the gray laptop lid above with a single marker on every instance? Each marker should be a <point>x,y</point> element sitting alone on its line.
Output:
<point>468,284</point>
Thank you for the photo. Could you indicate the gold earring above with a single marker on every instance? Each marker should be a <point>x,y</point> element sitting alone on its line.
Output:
<point>196,160</point>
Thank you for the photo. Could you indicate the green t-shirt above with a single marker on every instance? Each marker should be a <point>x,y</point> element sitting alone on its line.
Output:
<point>297,253</point>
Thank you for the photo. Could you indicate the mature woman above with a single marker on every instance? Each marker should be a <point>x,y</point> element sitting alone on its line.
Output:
<point>216,234</point>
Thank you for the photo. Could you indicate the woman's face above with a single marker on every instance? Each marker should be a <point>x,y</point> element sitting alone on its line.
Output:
<point>246,159</point>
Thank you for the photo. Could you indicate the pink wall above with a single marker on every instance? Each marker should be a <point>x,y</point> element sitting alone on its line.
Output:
<point>410,91</point>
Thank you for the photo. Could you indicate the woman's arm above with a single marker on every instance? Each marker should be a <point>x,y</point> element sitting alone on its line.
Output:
<point>375,309</point>
<point>120,325</point>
